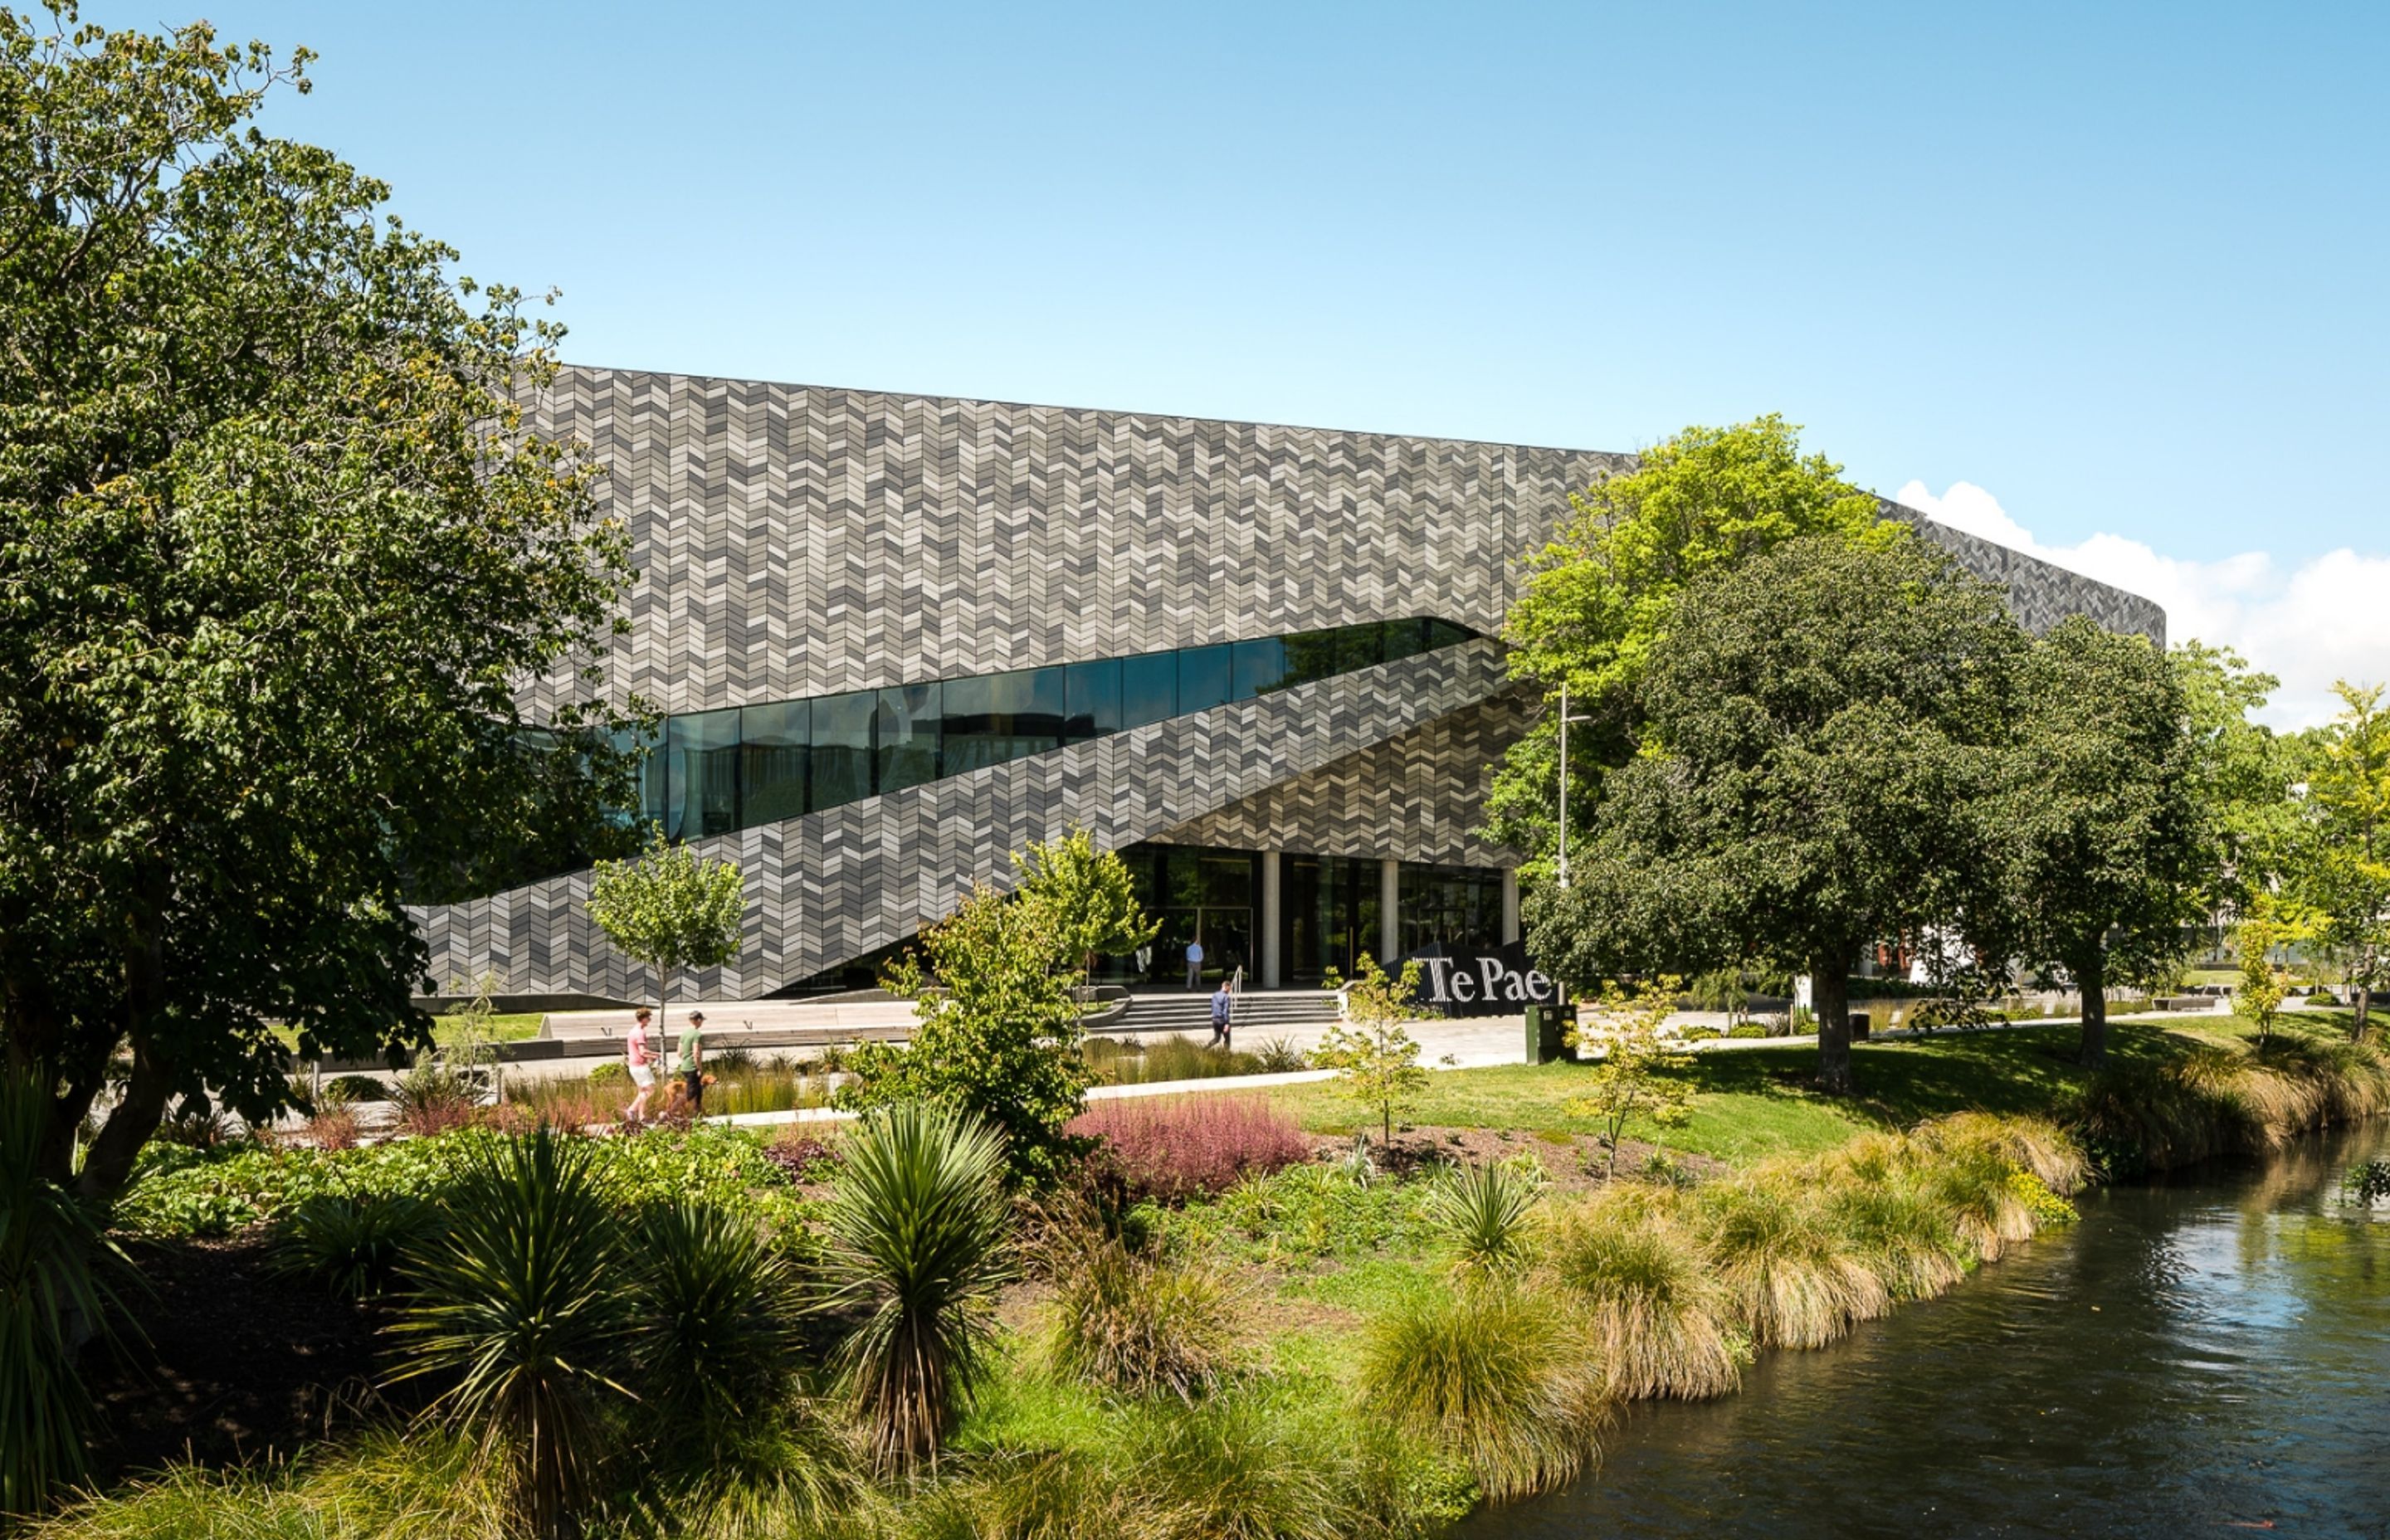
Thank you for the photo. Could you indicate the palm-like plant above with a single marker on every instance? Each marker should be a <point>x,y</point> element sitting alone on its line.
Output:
<point>1487,1213</point>
<point>53,1296</point>
<point>721,1298</point>
<point>523,1302</point>
<point>915,1232</point>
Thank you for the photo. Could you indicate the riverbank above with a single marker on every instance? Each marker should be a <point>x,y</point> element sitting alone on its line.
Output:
<point>1762,1221</point>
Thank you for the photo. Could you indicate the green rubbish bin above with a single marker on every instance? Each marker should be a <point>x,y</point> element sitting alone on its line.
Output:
<point>1547,1029</point>
<point>1859,1025</point>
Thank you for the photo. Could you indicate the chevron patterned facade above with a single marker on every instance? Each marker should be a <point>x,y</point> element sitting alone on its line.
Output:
<point>795,541</point>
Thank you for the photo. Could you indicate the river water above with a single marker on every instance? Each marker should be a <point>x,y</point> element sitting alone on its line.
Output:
<point>2208,1354</point>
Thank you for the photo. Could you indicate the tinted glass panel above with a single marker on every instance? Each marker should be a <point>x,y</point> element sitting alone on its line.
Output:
<point>1445,634</point>
<point>997,717</point>
<point>703,751</point>
<point>907,735</point>
<point>1405,638</point>
<point>840,767</point>
<point>1202,679</point>
<point>1149,688</point>
<point>1256,668</point>
<point>654,772</point>
<point>1091,700</point>
<point>772,760</point>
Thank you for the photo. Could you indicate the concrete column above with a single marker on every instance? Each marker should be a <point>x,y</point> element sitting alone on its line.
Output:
<point>1510,905</point>
<point>1390,895</point>
<point>1270,923</point>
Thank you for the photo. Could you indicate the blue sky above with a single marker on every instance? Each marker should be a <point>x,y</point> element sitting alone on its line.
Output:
<point>2076,274</point>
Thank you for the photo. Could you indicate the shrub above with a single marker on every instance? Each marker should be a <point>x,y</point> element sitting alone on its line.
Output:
<point>352,1246</point>
<point>1278,1056</point>
<point>356,1088</point>
<point>720,1301</point>
<point>432,1099</point>
<point>520,1308</point>
<point>1142,1324</point>
<point>1486,1212</point>
<point>1747,1028</point>
<point>610,1074</point>
<point>197,1125</point>
<point>1495,1374</point>
<point>54,1293</point>
<point>1171,1148</point>
<point>1659,1316</point>
<point>916,1229</point>
<point>1791,1277</point>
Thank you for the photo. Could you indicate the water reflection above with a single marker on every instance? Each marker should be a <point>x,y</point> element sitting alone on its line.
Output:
<point>2206,1356</point>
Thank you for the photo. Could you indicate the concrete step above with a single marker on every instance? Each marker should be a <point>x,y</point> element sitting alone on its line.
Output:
<point>1261,1010</point>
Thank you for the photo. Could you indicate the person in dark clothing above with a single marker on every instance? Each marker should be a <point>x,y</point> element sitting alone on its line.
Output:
<point>1224,1005</point>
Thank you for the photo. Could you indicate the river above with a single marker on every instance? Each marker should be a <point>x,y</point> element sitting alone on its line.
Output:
<point>2204,1354</point>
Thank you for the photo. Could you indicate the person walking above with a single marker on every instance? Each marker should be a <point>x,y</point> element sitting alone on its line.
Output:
<point>638,1056</point>
<point>1194,964</point>
<point>1224,1005</point>
<point>691,1060</point>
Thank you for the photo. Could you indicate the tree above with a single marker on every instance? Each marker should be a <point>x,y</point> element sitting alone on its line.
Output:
<point>2241,774</point>
<point>1376,1062</point>
<point>1599,596</point>
<point>2258,994</point>
<point>670,909</point>
<point>1819,769</point>
<point>998,1037</point>
<point>1637,1074</point>
<point>277,553</point>
<point>2107,834</point>
<point>2345,876</point>
<point>1088,898</point>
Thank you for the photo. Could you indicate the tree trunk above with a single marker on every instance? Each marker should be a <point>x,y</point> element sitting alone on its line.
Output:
<point>2363,1024</point>
<point>2091,978</point>
<point>107,1165</point>
<point>1830,992</point>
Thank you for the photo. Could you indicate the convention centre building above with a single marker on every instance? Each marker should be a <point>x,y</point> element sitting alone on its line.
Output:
<point>897,637</point>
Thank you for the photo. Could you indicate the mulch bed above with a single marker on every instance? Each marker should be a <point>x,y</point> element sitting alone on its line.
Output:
<point>1574,1161</point>
<point>238,1365</point>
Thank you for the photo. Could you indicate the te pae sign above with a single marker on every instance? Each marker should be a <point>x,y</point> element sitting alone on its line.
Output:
<point>1500,983</point>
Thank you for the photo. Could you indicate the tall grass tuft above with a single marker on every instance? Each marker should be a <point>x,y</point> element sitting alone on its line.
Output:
<point>54,1294</point>
<point>917,1235</point>
<point>1907,1239</point>
<point>1497,1375</point>
<point>1235,1469</point>
<point>521,1308</point>
<point>1172,1148</point>
<point>1141,1324</point>
<point>1487,1213</point>
<point>1793,1278</point>
<point>1658,1315</point>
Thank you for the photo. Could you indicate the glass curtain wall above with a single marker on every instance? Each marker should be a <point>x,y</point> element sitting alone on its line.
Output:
<point>1328,914</point>
<point>1459,908</point>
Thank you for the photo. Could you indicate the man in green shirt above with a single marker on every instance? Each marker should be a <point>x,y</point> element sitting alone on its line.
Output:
<point>688,1059</point>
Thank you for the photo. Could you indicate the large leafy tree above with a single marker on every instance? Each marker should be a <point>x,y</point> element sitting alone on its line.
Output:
<point>1088,898</point>
<point>277,553</point>
<point>2106,833</point>
<point>2241,773</point>
<point>1818,768</point>
<point>1600,597</point>
<point>2343,878</point>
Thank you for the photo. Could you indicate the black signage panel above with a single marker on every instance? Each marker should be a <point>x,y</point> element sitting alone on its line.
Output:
<point>1500,982</point>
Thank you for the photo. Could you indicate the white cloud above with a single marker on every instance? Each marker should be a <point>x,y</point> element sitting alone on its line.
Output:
<point>2323,619</point>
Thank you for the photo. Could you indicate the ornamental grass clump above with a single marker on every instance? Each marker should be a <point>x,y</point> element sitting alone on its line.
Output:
<point>1487,1213</point>
<point>1658,1315</point>
<point>721,1301</point>
<point>1793,1278</point>
<point>916,1239</point>
<point>352,1246</point>
<point>1141,1324</point>
<point>1495,1374</point>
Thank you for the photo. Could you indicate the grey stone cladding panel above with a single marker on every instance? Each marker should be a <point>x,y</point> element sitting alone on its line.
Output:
<point>1418,797</point>
<point>2040,595</point>
<point>836,884</point>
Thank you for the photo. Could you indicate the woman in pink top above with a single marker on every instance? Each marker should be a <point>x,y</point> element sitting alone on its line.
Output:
<point>638,1056</point>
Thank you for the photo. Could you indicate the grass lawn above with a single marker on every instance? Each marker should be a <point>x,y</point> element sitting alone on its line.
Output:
<point>1755,1103</point>
<point>500,1027</point>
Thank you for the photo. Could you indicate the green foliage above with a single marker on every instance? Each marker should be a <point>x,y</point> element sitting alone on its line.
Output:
<point>1086,897</point>
<point>1487,1213</point>
<point>1791,1279</point>
<point>277,550</point>
<point>916,1237</point>
<point>1599,599</point>
<point>1496,1374</point>
<point>1306,1211</point>
<point>352,1246</point>
<point>1638,1072</point>
<point>721,1298</point>
<point>1376,1062</point>
<point>2343,875</point>
<point>54,1293</point>
<point>671,908</point>
<point>1142,1324</point>
<point>522,1313</point>
<point>2241,776</point>
<point>998,1034</point>
<point>2262,985</point>
<point>2100,808</point>
<point>1815,772</point>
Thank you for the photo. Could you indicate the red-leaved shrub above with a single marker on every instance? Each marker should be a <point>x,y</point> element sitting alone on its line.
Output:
<point>1171,1148</point>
